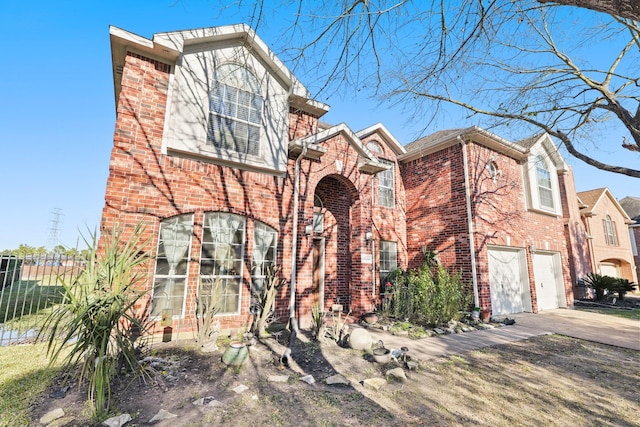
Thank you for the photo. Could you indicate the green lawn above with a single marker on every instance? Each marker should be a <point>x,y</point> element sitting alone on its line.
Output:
<point>627,314</point>
<point>24,376</point>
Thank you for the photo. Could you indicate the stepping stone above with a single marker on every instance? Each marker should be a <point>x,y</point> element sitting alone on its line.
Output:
<point>241,388</point>
<point>308,379</point>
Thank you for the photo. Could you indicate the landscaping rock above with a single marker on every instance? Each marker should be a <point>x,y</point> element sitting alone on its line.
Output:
<point>360,339</point>
<point>241,388</point>
<point>162,415</point>
<point>337,379</point>
<point>401,333</point>
<point>62,422</point>
<point>52,415</point>
<point>278,378</point>
<point>374,383</point>
<point>118,421</point>
<point>397,374</point>
<point>308,379</point>
<point>203,401</point>
<point>438,331</point>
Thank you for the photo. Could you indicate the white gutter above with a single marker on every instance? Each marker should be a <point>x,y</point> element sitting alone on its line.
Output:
<point>294,247</point>
<point>472,243</point>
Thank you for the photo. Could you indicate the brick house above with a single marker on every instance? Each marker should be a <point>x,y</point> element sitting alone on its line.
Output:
<point>631,206</point>
<point>220,151</point>
<point>606,223</point>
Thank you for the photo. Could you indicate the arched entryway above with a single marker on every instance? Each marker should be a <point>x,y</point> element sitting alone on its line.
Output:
<point>336,220</point>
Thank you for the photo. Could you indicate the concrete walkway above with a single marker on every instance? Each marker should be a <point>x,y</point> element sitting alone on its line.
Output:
<point>601,328</point>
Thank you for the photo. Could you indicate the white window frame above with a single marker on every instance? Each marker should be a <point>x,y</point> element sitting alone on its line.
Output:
<point>262,260</point>
<point>155,310</point>
<point>244,111</point>
<point>386,186</point>
<point>533,188</point>
<point>388,259</point>
<point>610,231</point>
<point>223,255</point>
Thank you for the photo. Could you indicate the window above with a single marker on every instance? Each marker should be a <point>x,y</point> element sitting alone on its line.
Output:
<point>388,259</point>
<point>169,285</point>
<point>318,215</point>
<point>386,187</point>
<point>221,260</point>
<point>374,147</point>
<point>610,232</point>
<point>545,191</point>
<point>492,167</point>
<point>235,110</point>
<point>265,239</point>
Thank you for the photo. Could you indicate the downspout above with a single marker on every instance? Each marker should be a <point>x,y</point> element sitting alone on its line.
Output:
<point>373,249</point>
<point>472,243</point>
<point>294,246</point>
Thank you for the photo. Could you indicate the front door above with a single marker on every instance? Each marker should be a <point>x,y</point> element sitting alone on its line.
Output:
<point>318,272</point>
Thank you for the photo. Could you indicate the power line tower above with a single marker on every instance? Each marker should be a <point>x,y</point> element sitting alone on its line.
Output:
<point>55,226</point>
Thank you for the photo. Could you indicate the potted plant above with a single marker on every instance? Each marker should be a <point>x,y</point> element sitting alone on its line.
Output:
<point>475,314</point>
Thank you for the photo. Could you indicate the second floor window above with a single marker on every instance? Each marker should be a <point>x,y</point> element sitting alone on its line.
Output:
<point>386,184</point>
<point>610,232</point>
<point>235,110</point>
<point>545,191</point>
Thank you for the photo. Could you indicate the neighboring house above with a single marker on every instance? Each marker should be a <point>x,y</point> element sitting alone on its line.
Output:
<point>219,150</point>
<point>631,206</point>
<point>609,242</point>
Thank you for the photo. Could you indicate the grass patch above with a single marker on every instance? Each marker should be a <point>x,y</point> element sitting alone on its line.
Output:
<point>26,300</point>
<point>24,377</point>
<point>633,314</point>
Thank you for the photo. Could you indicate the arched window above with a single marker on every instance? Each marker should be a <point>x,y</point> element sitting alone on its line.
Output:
<point>545,191</point>
<point>265,239</point>
<point>235,110</point>
<point>610,232</point>
<point>221,260</point>
<point>169,284</point>
<point>374,147</point>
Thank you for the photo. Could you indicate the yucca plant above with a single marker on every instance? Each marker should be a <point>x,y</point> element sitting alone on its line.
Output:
<point>97,320</point>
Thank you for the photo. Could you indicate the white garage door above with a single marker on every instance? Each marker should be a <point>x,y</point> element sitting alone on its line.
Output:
<point>547,274</point>
<point>507,280</point>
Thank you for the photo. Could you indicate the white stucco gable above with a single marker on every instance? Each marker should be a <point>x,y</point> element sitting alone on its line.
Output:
<point>228,98</point>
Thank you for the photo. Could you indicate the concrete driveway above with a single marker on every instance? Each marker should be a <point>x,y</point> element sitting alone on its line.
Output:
<point>601,328</point>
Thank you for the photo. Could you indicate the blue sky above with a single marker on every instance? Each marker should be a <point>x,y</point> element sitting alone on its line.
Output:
<point>57,116</point>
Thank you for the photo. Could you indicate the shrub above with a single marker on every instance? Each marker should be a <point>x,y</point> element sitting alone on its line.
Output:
<point>429,295</point>
<point>599,284</point>
<point>621,287</point>
<point>97,321</point>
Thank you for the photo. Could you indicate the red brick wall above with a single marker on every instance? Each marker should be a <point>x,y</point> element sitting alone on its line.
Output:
<point>437,214</point>
<point>146,185</point>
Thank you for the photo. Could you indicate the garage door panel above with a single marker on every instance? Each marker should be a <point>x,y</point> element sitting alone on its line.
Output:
<point>505,281</point>
<point>545,272</point>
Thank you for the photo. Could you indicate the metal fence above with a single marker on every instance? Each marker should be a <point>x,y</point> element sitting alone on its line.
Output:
<point>30,287</point>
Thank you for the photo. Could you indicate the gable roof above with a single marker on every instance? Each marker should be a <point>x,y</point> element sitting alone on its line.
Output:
<point>388,138</point>
<point>631,206</point>
<point>519,151</point>
<point>371,163</point>
<point>591,199</point>
<point>446,138</point>
<point>167,47</point>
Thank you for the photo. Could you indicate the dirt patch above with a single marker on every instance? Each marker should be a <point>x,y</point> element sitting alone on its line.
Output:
<point>541,381</point>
